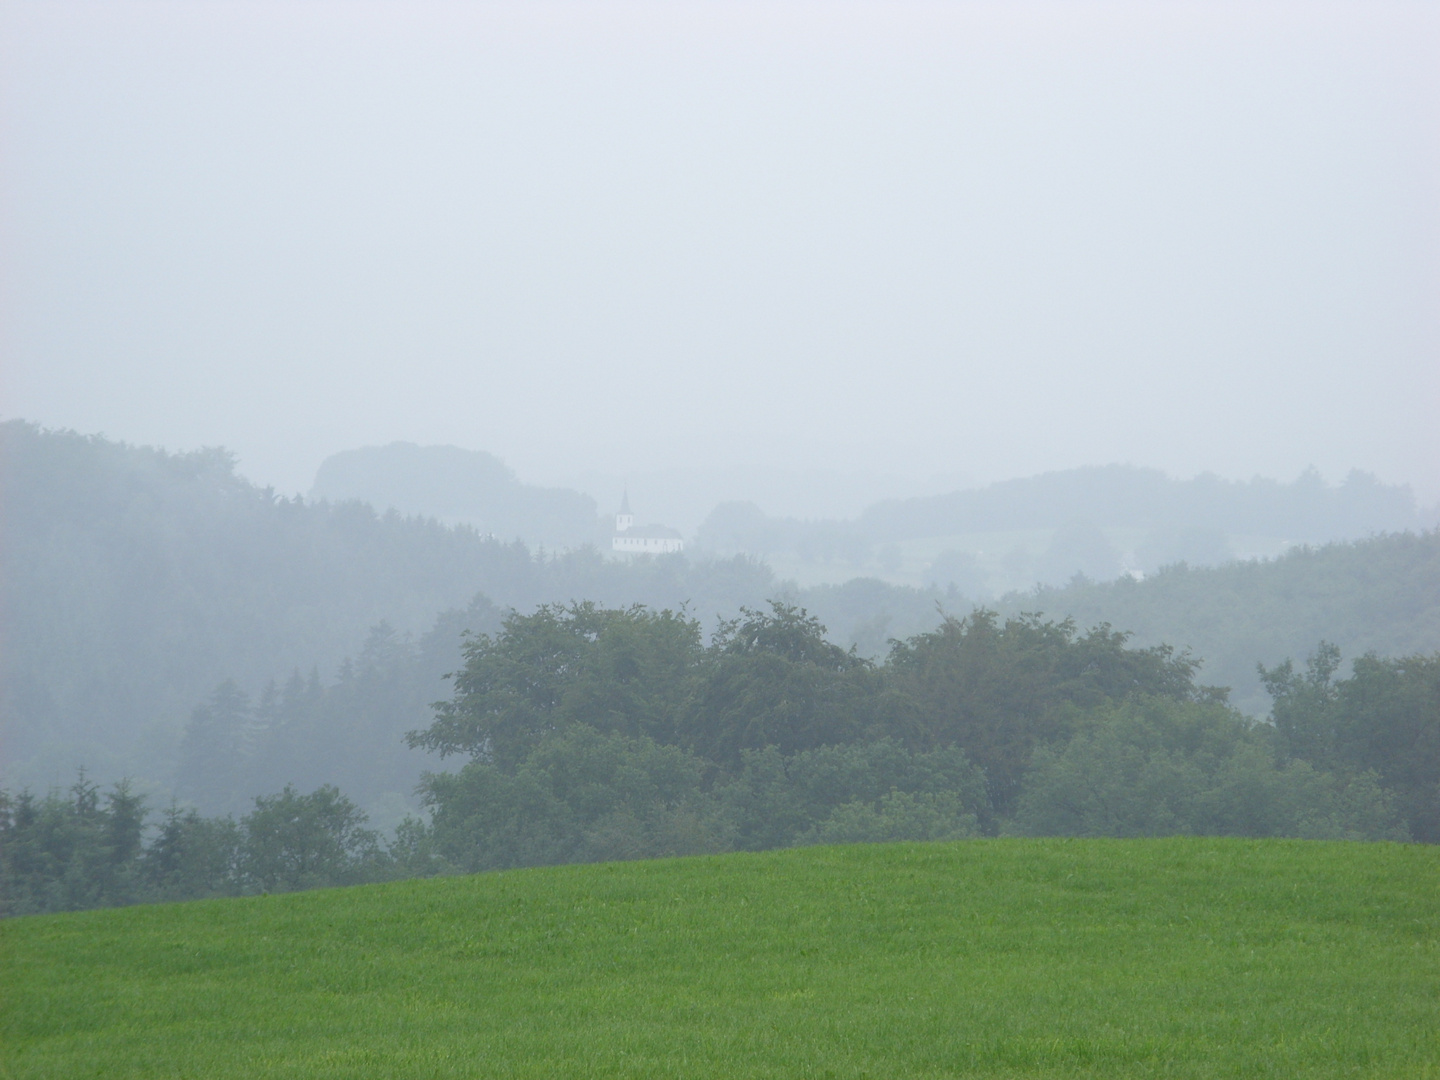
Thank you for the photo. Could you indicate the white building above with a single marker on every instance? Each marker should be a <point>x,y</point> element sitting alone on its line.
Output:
<point>635,539</point>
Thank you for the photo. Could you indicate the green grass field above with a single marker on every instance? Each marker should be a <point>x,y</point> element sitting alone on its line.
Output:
<point>1015,958</point>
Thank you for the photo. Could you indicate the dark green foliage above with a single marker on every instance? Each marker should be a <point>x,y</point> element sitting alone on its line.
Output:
<point>996,689</point>
<point>576,796</point>
<point>898,816</point>
<point>871,791</point>
<point>785,738</point>
<point>193,857</point>
<point>1384,719</point>
<point>1380,595</point>
<point>295,841</point>
<point>1162,767</point>
<point>627,671</point>
<point>80,849</point>
<point>583,795</point>
<point>1304,704</point>
<point>602,734</point>
<point>1391,710</point>
<point>69,852</point>
<point>772,679</point>
<point>768,678</point>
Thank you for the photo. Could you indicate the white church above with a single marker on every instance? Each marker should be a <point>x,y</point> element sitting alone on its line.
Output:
<point>635,539</point>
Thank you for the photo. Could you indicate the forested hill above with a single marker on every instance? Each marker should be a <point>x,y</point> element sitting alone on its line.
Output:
<point>455,486</point>
<point>1380,595</point>
<point>135,580</point>
<point>1101,520</point>
<point>1122,495</point>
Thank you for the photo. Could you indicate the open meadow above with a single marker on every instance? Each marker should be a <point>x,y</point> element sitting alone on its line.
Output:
<point>1005,958</point>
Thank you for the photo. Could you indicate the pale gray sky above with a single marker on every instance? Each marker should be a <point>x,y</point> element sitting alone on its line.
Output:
<point>909,239</point>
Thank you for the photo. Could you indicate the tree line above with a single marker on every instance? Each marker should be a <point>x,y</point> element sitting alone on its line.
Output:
<point>81,849</point>
<point>151,577</point>
<point>591,733</point>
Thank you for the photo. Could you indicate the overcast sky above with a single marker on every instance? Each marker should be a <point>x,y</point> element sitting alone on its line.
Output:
<point>926,239</point>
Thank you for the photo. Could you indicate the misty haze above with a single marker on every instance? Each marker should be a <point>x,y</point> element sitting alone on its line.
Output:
<point>949,492</point>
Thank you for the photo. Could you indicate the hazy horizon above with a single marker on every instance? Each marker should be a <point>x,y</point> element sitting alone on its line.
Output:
<point>902,244</point>
<point>683,496</point>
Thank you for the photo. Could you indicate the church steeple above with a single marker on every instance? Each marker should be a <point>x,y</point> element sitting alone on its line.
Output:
<point>632,539</point>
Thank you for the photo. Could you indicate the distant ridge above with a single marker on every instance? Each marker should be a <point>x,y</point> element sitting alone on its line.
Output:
<point>1102,522</point>
<point>1380,595</point>
<point>136,580</point>
<point>458,486</point>
<point>1307,509</point>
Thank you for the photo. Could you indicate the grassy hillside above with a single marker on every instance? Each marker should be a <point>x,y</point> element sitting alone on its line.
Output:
<point>1176,958</point>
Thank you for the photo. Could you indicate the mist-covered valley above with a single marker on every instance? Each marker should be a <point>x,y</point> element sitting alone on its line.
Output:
<point>1100,523</point>
<point>213,642</point>
<point>447,437</point>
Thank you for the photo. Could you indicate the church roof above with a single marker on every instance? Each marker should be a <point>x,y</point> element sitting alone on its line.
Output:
<point>625,503</point>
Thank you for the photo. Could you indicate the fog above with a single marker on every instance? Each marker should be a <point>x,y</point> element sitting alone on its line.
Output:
<point>905,246</point>
<point>558,432</point>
